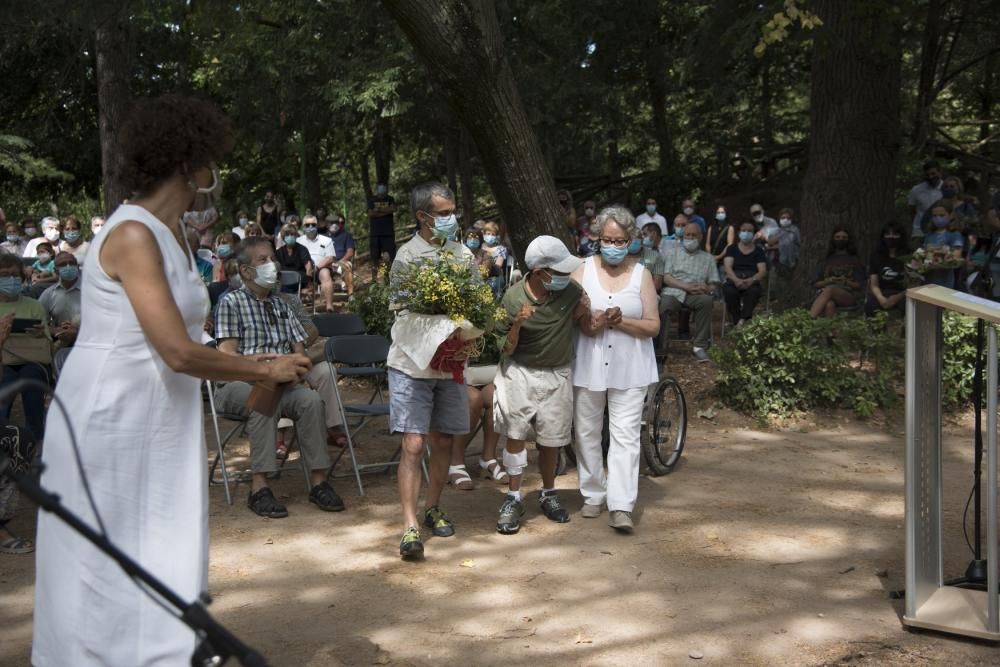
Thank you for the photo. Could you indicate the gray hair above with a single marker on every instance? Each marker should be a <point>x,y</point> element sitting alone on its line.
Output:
<point>420,198</point>
<point>619,215</point>
<point>246,246</point>
<point>49,221</point>
<point>309,220</point>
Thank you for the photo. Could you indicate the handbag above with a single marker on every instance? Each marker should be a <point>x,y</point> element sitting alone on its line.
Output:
<point>18,446</point>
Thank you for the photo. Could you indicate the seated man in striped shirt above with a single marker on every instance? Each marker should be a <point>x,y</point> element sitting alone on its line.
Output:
<point>254,320</point>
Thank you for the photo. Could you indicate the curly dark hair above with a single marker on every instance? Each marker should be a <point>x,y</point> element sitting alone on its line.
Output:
<point>163,134</point>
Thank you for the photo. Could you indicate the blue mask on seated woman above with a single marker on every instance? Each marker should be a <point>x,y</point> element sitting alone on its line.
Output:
<point>10,285</point>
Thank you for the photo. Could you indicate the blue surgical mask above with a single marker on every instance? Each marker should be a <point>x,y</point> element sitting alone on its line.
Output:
<point>721,217</point>
<point>244,222</point>
<point>223,250</point>
<point>310,230</point>
<point>489,239</point>
<point>69,272</point>
<point>651,209</point>
<point>10,286</point>
<point>290,240</point>
<point>472,244</point>
<point>941,221</point>
<point>556,283</point>
<point>13,238</point>
<point>613,255</point>
<point>445,226</point>
<point>634,246</point>
<point>647,242</point>
<point>71,236</point>
<point>746,237</point>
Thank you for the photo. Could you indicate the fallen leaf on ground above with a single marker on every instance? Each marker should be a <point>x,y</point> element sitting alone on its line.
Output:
<point>580,639</point>
<point>468,562</point>
<point>269,541</point>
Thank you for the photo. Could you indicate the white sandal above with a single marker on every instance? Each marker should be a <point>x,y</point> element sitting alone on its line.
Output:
<point>459,477</point>
<point>494,471</point>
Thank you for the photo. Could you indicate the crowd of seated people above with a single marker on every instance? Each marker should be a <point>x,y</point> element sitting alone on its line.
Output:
<point>693,262</point>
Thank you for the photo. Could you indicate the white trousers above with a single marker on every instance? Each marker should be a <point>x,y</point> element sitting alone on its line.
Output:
<point>619,487</point>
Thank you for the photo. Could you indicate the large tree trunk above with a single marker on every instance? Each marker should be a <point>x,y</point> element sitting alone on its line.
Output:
<point>383,148</point>
<point>930,51</point>
<point>854,137</point>
<point>461,45</point>
<point>112,51</point>
<point>465,173</point>
<point>656,83</point>
<point>311,185</point>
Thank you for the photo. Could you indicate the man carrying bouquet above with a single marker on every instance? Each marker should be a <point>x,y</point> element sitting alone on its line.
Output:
<point>422,401</point>
<point>534,390</point>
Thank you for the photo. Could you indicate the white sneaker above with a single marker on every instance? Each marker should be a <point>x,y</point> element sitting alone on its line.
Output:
<point>621,520</point>
<point>590,511</point>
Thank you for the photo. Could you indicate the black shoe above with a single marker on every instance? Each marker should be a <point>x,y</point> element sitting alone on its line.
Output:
<point>438,521</point>
<point>263,503</point>
<point>410,547</point>
<point>511,511</point>
<point>325,498</point>
<point>552,508</point>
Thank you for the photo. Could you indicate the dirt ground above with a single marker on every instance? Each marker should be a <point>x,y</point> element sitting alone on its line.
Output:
<point>764,547</point>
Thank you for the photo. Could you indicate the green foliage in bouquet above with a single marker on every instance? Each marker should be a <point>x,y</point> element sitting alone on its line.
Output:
<point>448,286</point>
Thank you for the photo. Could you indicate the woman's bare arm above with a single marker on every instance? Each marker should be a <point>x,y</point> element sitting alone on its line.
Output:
<point>132,256</point>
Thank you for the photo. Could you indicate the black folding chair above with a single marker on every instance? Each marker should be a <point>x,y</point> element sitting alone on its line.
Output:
<point>339,324</point>
<point>361,356</point>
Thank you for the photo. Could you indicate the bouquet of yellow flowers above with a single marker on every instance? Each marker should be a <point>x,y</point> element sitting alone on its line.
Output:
<point>453,288</point>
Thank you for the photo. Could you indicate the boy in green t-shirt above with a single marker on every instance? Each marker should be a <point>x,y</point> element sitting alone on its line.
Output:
<point>534,392</point>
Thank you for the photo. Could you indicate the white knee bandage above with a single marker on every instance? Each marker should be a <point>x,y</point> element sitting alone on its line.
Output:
<point>515,463</point>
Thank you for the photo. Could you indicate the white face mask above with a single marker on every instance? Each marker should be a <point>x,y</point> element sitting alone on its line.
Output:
<point>335,228</point>
<point>691,244</point>
<point>44,257</point>
<point>266,275</point>
<point>688,210</point>
<point>51,234</point>
<point>785,222</point>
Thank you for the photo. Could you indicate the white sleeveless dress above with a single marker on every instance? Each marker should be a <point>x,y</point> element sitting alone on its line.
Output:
<point>139,428</point>
<point>613,359</point>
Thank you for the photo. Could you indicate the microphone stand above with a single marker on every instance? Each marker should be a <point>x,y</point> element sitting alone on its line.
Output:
<point>216,644</point>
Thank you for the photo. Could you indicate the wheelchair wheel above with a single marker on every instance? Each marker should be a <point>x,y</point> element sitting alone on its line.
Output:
<point>664,427</point>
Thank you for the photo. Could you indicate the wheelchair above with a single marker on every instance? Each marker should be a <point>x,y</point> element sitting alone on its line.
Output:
<point>662,431</point>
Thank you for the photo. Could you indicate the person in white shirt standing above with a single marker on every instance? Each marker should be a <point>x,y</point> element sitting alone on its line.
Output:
<point>652,216</point>
<point>425,405</point>
<point>922,196</point>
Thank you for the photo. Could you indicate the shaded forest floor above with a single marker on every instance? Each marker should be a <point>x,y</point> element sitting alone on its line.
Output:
<point>763,547</point>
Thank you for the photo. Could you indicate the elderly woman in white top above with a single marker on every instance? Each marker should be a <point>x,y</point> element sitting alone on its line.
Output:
<point>614,365</point>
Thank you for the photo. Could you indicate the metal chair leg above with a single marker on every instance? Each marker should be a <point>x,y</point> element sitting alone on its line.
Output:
<point>220,455</point>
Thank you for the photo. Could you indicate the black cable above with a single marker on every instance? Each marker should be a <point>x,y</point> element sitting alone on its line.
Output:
<point>965,520</point>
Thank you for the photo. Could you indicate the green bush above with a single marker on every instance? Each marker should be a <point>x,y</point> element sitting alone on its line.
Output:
<point>779,364</point>
<point>372,304</point>
<point>958,366</point>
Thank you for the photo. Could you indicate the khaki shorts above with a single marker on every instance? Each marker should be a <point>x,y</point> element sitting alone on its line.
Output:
<point>533,404</point>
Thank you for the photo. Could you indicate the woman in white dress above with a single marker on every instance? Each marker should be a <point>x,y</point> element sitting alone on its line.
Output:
<point>132,383</point>
<point>613,367</point>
